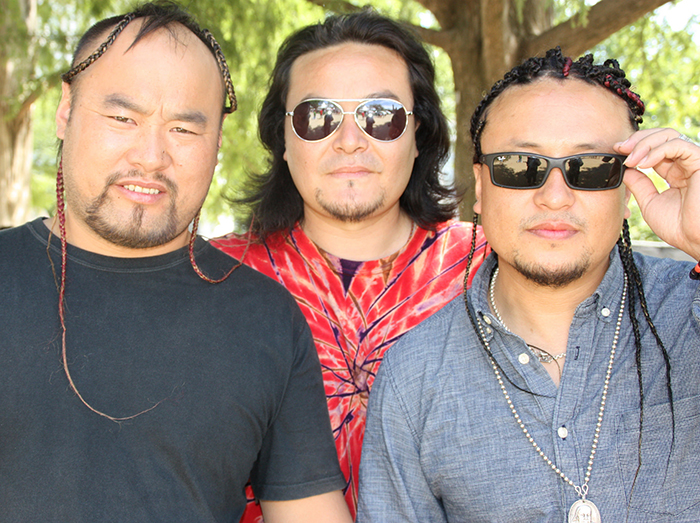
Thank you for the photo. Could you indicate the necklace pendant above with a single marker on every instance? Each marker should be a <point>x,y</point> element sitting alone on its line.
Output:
<point>584,511</point>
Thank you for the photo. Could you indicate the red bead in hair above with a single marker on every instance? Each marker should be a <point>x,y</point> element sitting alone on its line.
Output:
<point>567,66</point>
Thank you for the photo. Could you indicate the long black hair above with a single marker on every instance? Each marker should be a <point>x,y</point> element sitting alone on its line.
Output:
<point>272,197</point>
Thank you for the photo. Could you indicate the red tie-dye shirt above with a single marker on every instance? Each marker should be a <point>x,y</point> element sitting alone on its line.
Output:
<point>357,310</point>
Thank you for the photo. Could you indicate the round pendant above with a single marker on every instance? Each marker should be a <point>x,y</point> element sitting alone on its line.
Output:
<point>584,511</point>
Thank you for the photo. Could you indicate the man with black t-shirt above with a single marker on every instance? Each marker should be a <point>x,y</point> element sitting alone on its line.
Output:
<point>139,382</point>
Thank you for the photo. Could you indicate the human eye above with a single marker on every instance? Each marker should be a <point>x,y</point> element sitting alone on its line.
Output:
<point>182,130</point>
<point>121,119</point>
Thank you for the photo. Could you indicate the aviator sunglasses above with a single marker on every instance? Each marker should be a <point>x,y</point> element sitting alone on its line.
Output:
<point>379,118</point>
<point>584,172</point>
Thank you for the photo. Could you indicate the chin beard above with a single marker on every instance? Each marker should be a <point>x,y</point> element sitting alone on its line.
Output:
<point>133,235</point>
<point>350,212</point>
<point>558,277</point>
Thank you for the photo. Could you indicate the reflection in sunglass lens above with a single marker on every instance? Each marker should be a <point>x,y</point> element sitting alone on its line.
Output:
<point>586,171</point>
<point>315,119</point>
<point>593,172</point>
<point>383,120</point>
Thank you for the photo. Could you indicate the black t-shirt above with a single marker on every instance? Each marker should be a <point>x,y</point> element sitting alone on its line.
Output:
<point>231,367</point>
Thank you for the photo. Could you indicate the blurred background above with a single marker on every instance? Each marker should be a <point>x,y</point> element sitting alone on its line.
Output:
<point>473,43</point>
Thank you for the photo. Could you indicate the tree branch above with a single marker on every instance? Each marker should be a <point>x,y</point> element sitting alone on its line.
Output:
<point>48,82</point>
<point>604,18</point>
<point>337,6</point>
<point>442,39</point>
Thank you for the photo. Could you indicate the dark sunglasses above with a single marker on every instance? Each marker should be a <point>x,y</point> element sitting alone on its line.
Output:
<point>584,172</point>
<point>380,118</point>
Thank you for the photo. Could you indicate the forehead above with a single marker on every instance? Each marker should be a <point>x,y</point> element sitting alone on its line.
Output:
<point>170,60</point>
<point>350,70</point>
<point>551,115</point>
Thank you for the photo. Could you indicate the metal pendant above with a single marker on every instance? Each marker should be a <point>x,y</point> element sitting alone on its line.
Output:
<point>584,511</point>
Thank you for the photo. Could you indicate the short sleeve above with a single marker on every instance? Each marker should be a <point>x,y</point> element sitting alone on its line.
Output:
<point>298,458</point>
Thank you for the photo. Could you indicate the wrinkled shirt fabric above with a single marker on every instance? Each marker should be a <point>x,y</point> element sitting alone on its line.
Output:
<point>443,446</point>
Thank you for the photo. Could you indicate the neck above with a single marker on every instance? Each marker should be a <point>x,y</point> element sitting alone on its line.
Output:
<point>540,315</point>
<point>370,239</point>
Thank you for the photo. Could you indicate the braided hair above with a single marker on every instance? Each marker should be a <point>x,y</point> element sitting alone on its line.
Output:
<point>609,76</point>
<point>155,15</point>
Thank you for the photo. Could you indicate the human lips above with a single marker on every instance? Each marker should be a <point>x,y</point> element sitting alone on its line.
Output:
<point>351,171</point>
<point>553,230</point>
<point>141,191</point>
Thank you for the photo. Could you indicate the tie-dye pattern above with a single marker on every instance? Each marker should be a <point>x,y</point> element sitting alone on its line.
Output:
<point>357,310</point>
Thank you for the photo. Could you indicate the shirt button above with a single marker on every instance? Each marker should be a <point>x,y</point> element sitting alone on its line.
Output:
<point>524,358</point>
<point>563,433</point>
<point>605,312</point>
<point>487,320</point>
<point>488,330</point>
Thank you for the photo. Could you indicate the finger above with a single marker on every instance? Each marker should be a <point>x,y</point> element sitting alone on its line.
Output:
<point>640,144</point>
<point>676,161</point>
<point>641,187</point>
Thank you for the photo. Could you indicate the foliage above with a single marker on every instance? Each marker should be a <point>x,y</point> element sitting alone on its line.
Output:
<point>250,32</point>
<point>662,63</point>
<point>659,58</point>
<point>59,27</point>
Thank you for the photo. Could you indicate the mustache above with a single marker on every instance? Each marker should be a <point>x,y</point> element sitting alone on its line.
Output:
<point>565,217</point>
<point>170,185</point>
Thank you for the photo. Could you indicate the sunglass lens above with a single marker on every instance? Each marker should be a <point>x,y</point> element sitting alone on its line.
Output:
<point>518,171</point>
<point>594,172</point>
<point>314,120</point>
<point>383,120</point>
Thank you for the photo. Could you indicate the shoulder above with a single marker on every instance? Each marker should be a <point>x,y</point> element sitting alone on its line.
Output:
<point>456,236</point>
<point>247,284</point>
<point>20,243</point>
<point>259,253</point>
<point>456,229</point>
<point>428,346</point>
<point>665,278</point>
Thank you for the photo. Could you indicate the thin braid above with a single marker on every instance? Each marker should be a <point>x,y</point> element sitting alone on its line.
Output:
<point>60,213</point>
<point>634,276</point>
<point>68,76</point>
<point>223,68</point>
<point>193,237</point>
<point>637,288</point>
<point>472,319</point>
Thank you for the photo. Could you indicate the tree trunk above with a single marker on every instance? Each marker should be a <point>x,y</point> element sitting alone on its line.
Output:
<point>486,38</point>
<point>16,139</point>
<point>16,145</point>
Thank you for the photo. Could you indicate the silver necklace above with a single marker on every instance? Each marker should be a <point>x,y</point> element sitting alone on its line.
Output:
<point>540,354</point>
<point>582,510</point>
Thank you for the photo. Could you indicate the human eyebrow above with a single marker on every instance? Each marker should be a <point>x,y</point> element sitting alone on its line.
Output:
<point>195,117</point>
<point>527,145</point>
<point>121,102</point>
<point>383,94</point>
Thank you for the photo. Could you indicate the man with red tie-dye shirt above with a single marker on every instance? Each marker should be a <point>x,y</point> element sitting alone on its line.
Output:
<point>352,217</point>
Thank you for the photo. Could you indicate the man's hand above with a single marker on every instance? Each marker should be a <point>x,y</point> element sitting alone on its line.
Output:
<point>674,215</point>
<point>324,508</point>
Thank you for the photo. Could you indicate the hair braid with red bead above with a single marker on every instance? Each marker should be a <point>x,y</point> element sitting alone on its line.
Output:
<point>610,76</point>
<point>156,15</point>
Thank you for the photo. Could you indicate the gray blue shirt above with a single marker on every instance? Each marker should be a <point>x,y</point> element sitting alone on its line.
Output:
<point>442,444</point>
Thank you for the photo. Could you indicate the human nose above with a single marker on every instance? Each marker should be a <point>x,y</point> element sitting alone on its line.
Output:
<point>349,138</point>
<point>151,150</point>
<point>555,193</point>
